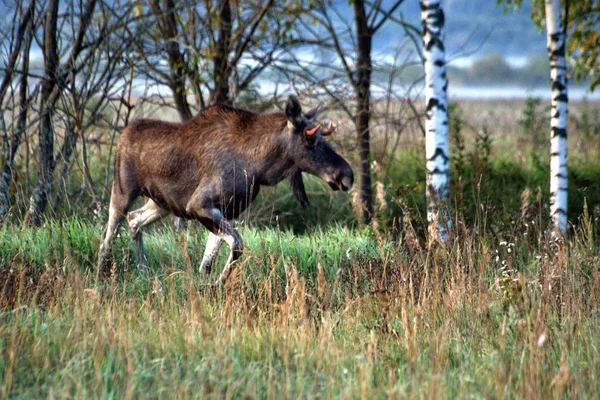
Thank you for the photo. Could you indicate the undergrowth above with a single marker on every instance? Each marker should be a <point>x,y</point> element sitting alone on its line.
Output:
<point>319,306</point>
<point>336,312</point>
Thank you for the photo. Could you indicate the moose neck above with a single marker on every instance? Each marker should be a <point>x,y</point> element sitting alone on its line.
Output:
<point>273,158</point>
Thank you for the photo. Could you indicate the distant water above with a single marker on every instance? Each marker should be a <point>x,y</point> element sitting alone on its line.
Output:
<point>267,88</point>
<point>515,92</point>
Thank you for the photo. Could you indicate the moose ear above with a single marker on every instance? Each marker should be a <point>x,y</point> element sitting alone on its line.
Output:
<point>293,109</point>
<point>312,114</point>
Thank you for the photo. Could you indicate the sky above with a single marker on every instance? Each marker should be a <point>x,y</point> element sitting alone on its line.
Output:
<point>474,28</point>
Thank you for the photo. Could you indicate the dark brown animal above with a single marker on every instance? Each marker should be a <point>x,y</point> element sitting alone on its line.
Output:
<point>211,168</point>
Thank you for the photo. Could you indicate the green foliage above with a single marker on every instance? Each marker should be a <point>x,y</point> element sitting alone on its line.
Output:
<point>584,187</point>
<point>406,183</point>
<point>77,241</point>
<point>584,40</point>
<point>455,126</point>
<point>536,70</point>
<point>537,9</point>
<point>583,36</point>
<point>483,145</point>
<point>279,206</point>
<point>588,122</point>
<point>534,125</point>
<point>493,69</point>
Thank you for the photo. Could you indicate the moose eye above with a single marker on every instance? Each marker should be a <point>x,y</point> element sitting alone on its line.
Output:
<point>311,141</point>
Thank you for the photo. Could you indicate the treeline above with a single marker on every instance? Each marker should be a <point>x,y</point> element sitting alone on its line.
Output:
<point>491,69</point>
<point>494,69</point>
<point>76,72</point>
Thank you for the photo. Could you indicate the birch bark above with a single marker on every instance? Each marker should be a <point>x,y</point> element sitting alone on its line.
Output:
<point>436,123</point>
<point>556,40</point>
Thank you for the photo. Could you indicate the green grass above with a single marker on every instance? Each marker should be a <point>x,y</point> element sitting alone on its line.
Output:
<point>319,306</point>
<point>337,312</point>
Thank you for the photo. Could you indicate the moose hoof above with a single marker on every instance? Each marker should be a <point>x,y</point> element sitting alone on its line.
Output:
<point>133,223</point>
<point>134,230</point>
<point>205,270</point>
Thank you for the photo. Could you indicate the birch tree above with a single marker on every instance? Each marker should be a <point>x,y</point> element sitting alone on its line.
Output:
<point>556,39</point>
<point>582,41</point>
<point>436,122</point>
<point>556,33</point>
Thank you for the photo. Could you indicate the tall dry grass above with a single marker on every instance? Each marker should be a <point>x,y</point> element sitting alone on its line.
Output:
<point>477,318</point>
<point>334,310</point>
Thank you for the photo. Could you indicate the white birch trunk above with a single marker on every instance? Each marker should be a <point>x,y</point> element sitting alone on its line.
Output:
<point>556,39</point>
<point>436,123</point>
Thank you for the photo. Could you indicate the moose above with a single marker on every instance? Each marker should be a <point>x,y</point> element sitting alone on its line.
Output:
<point>211,168</point>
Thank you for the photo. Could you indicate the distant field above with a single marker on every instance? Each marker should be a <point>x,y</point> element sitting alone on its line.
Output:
<point>320,306</point>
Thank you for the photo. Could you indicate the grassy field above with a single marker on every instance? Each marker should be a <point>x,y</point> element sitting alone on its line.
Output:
<point>319,306</point>
<point>334,313</point>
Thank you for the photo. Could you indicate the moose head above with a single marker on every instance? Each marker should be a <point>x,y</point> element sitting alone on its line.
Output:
<point>313,154</point>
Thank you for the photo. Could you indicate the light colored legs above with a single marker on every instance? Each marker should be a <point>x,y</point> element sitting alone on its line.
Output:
<point>236,244</point>
<point>119,204</point>
<point>213,219</point>
<point>179,224</point>
<point>139,218</point>
<point>223,232</point>
<point>115,217</point>
<point>213,244</point>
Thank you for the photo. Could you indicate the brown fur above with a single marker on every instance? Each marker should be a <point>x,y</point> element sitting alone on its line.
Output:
<point>168,161</point>
<point>211,167</point>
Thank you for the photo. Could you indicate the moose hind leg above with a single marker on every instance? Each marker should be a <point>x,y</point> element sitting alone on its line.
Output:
<point>119,204</point>
<point>139,218</point>
<point>114,219</point>
<point>213,244</point>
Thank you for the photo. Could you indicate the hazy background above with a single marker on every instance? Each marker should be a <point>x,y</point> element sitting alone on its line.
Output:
<point>491,53</point>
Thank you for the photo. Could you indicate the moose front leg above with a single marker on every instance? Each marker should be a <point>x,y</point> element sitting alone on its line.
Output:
<point>213,244</point>
<point>119,204</point>
<point>214,221</point>
<point>225,231</point>
<point>298,189</point>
